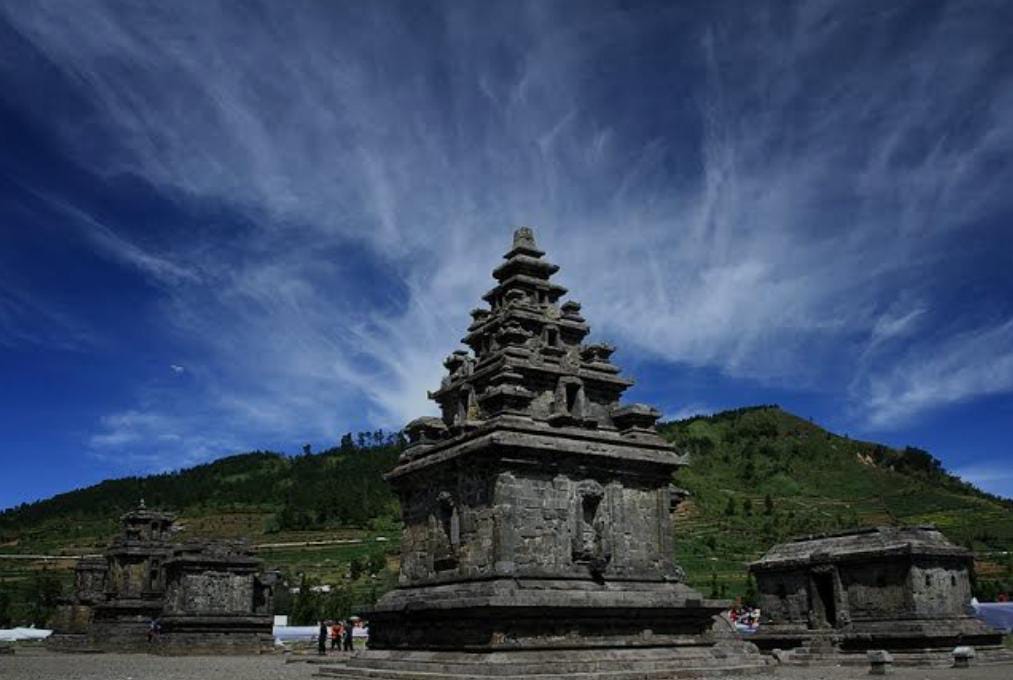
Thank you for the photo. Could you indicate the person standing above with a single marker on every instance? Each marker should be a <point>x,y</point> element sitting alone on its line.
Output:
<point>154,628</point>
<point>322,639</point>
<point>348,636</point>
<point>335,635</point>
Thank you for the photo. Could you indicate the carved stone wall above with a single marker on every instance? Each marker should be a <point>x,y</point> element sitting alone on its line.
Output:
<point>938,588</point>
<point>876,589</point>
<point>784,596</point>
<point>210,592</point>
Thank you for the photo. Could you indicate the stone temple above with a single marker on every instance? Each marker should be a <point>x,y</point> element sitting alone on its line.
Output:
<point>210,597</point>
<point>537,528</point>
<point>902,589</point>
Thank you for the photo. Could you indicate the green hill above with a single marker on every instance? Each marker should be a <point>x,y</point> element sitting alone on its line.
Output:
<point>758,475</point>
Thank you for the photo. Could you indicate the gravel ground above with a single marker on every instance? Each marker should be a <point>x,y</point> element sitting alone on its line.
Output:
<point>41,665</point>
<point>35,664</point>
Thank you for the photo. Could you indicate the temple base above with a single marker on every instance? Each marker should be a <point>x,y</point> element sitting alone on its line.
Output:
<point>538,628</point>
<point>912,642</point>
<point>525,613</point>
<point>188,635</point>
<point>722,659</point>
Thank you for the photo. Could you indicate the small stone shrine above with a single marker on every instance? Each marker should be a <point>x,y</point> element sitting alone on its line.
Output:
<point>216,600</point>
<point>537,534</point>
<point>209,597</point>
<point>903,589</point>
<point>134,580</point>
<point>73,616</point>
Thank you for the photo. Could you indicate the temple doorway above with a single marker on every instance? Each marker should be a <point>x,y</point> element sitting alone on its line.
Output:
<point>826,605</point>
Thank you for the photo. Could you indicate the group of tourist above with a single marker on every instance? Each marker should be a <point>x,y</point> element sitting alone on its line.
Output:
<point>338,632</point>
<point>744,615</point>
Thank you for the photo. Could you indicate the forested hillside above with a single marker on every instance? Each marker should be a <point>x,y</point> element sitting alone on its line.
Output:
<point>340,487</point>
<point>758,475</point>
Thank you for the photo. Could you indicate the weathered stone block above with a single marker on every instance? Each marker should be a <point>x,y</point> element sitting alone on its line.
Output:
<point>880,661</point>
<point>963,656</point>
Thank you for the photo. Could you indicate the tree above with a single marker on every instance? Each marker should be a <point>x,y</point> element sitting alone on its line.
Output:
<point>307,449</point>
<point>347,444</point>
<point>306,608</point>
<point>749,471</point>
<point>6,619</point>
<point>714,585</point>
<point>768,505</point>
<point>282,601</point>
<point>747,508</point>
<point>355,568</point>
<point>43,594</point>
<point>377,562</point>
<point>752,596</point>
<point>730,508</point>
<point>338,603</point>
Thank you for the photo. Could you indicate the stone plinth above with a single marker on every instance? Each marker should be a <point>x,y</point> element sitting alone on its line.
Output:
<point>536,509</point>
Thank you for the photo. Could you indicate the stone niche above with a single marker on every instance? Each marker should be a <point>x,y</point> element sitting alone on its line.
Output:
<point>904,589</point>
<point>537,511</point>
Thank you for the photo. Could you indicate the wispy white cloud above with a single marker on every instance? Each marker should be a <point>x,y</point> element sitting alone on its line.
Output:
<point>770,217</point>
<point>689,412</point>
<point>140,440</point>
<point>969,364</point>
<point>27,320</point>
<point>894,324</point>
<point>106,241</point>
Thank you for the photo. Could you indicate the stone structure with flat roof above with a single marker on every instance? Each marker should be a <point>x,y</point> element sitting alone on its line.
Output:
<point>903,589</point>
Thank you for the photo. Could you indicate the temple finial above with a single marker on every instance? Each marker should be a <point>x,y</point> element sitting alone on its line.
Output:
<point>524,237</point>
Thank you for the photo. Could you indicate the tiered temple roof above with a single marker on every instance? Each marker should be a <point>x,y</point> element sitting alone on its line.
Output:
<point>528,359</point>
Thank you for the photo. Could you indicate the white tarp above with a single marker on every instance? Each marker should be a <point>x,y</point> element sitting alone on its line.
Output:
<point>15,634</point>
<point>310,633</point>
<point>296,633</point>
<point>997,615</point>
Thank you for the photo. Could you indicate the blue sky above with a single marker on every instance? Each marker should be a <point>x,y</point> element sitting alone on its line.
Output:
<point>235,226</point>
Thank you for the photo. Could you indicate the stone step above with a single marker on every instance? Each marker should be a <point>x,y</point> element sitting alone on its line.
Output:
<point>680,674</point>
<point>561,661</point>
<point>484,667</point>
<point>436,672</point>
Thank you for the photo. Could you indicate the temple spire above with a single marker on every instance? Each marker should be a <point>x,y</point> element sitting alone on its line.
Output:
<point>529,360</point>
<point>524,237</point>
